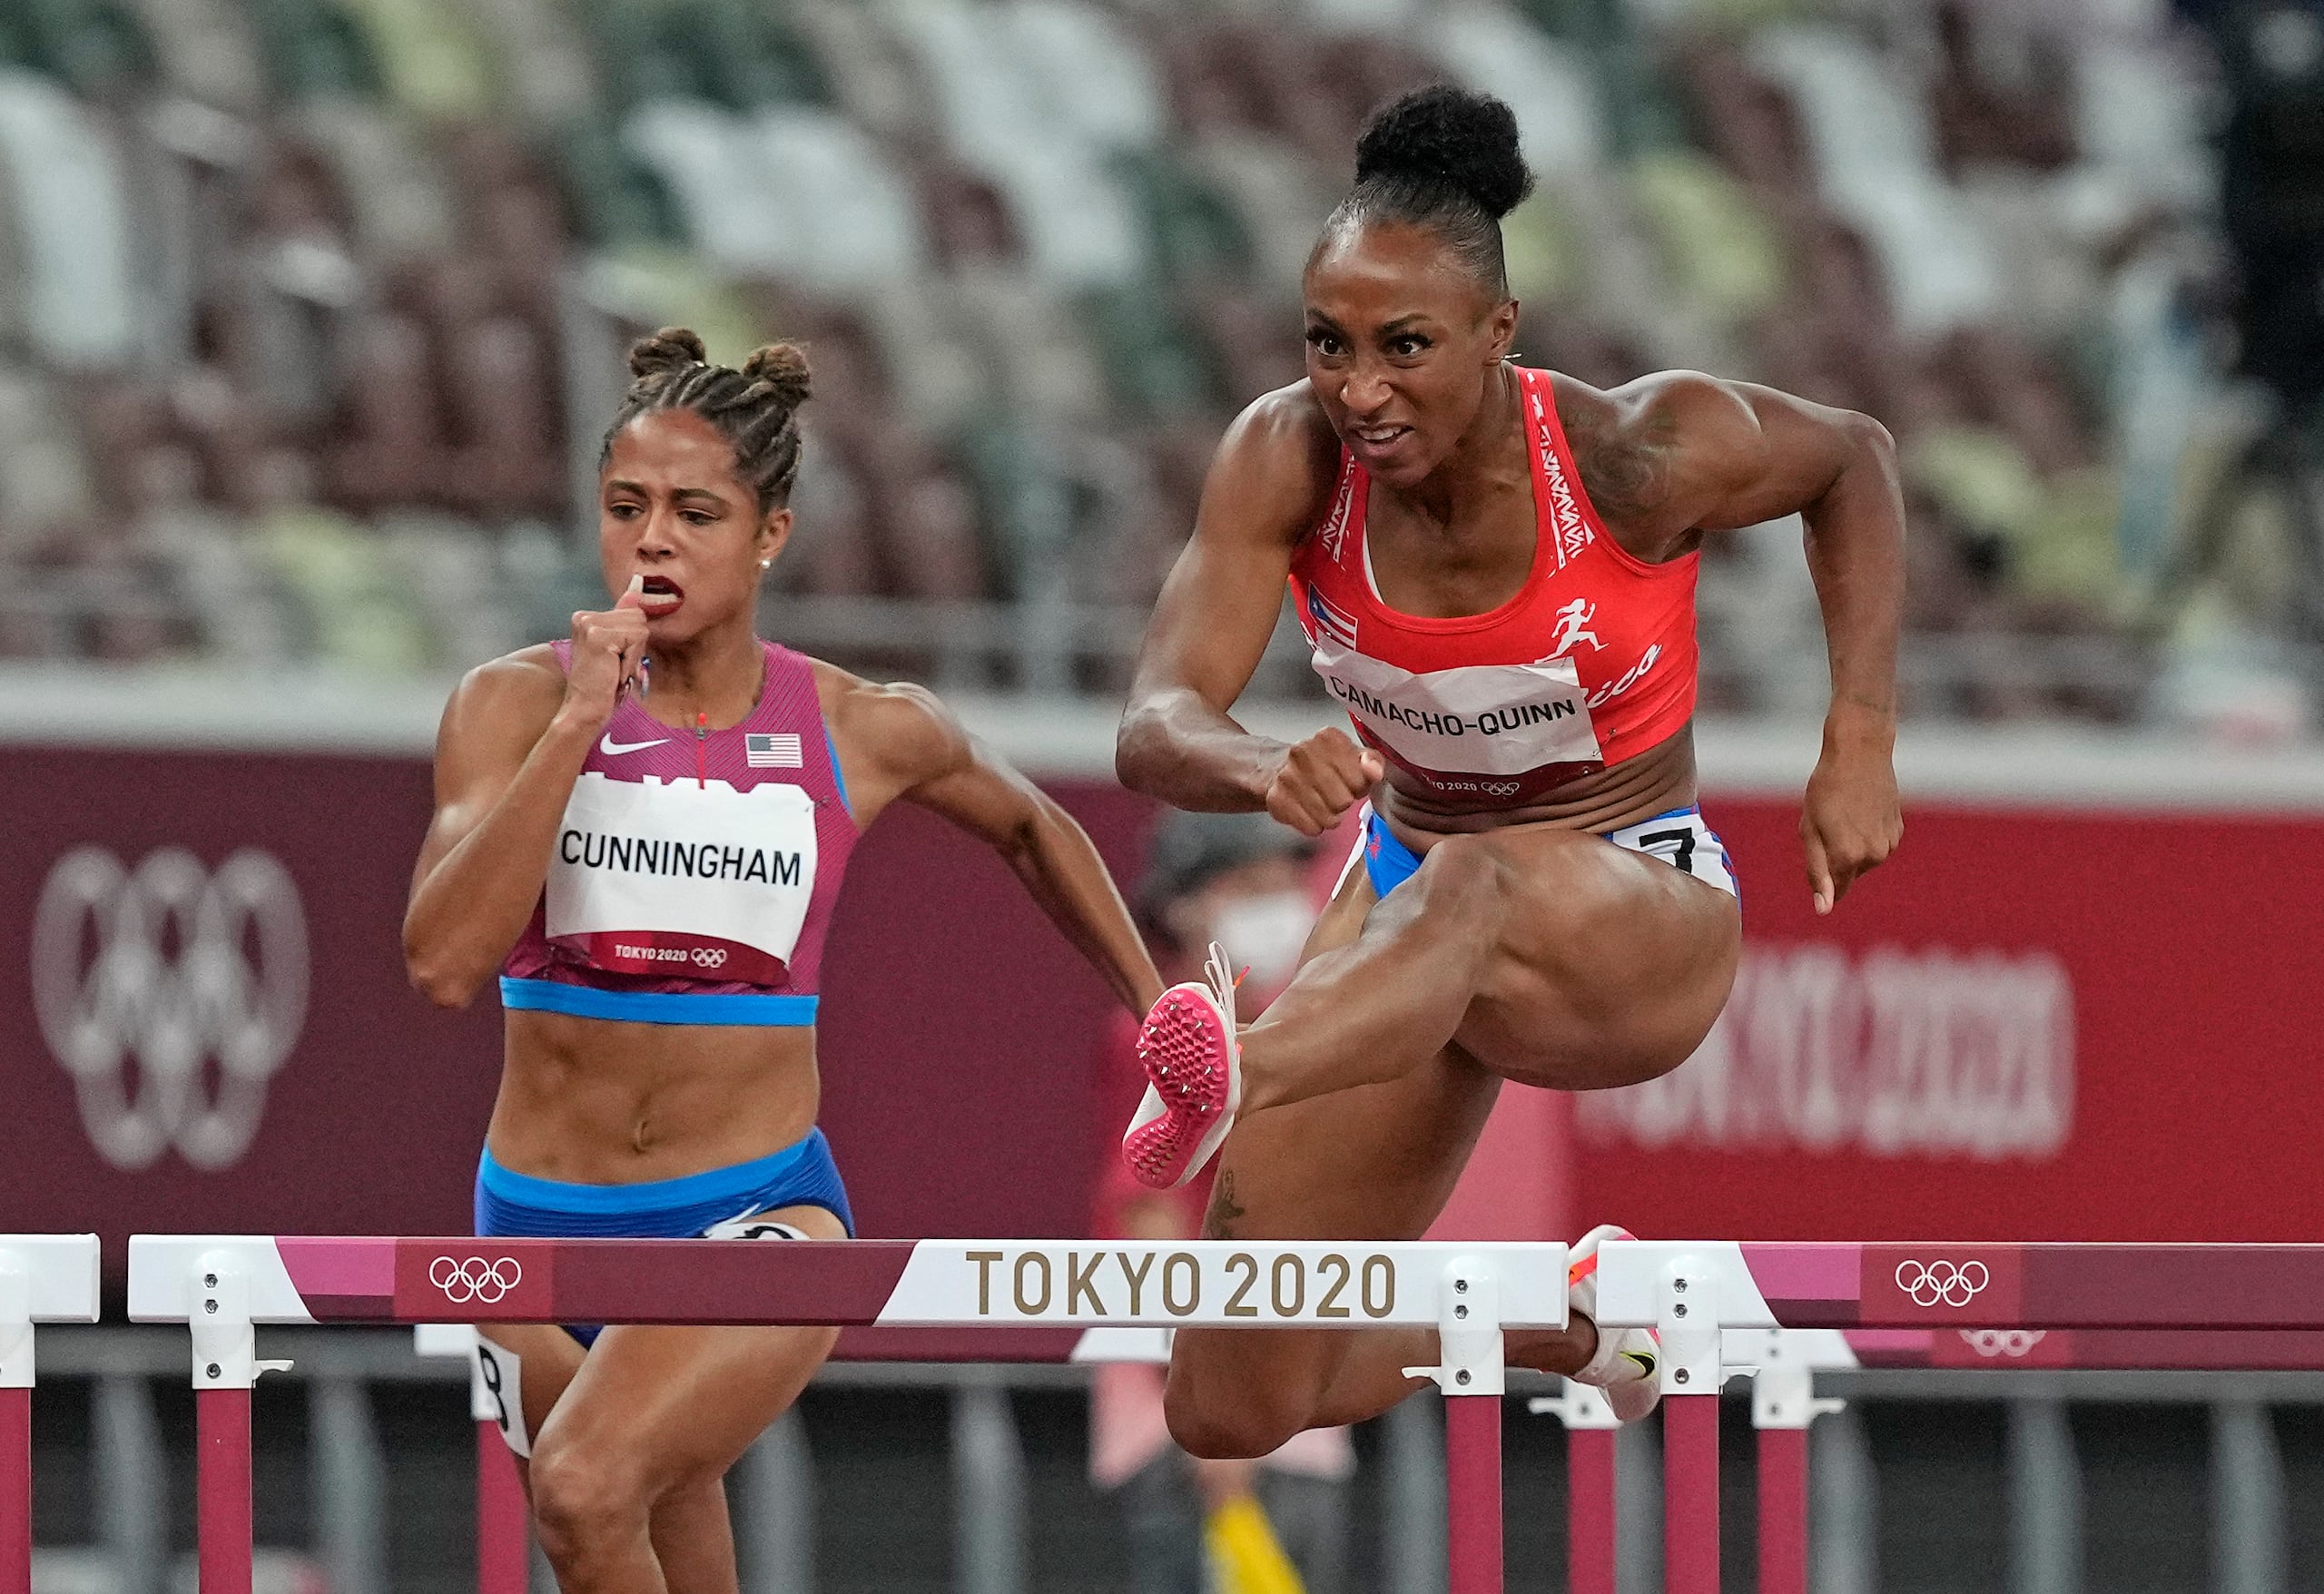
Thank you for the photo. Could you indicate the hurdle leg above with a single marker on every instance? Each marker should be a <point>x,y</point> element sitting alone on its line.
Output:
<point>503,1519</point>
<point>1473,1493</point>
<point>1589,1478</point>
<point>1783,1405</point>
<point>225,1367</point>
<point>223,1482</point>
<point>1783,1510</point>
<point>1688,1325</point>
<point>44,1278</point>
<point>1469,1342</point>
<point>16,1490</point>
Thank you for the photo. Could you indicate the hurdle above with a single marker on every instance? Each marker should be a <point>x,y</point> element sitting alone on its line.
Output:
<point>224,1286</point>
<point>44,1278</point>
<point>2119,1302</point>
<point>1778,1312</point>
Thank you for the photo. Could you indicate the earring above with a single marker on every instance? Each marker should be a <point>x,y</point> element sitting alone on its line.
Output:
<point>766,563</point>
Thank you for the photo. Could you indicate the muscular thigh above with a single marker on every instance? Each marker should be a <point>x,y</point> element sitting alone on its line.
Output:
<point>1611,967</point>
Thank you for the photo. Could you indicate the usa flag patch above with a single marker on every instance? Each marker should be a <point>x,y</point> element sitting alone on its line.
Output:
<point>778,751</point>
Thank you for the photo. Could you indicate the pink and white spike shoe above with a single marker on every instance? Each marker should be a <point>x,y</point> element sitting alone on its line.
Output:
<point>1194,1071</point>
<point>1628,1363</point>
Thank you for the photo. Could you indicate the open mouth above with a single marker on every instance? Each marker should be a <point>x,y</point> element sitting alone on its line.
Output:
<point>1378,439</point>
<point>658,595</point>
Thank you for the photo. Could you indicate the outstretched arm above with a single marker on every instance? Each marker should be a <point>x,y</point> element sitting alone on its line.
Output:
<point>1179,741</point>
<point>1738,454</point>
<point>900,742</point>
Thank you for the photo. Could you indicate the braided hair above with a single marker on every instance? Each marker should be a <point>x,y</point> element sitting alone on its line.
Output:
<point>1446,159</point>
<point>754,409</point>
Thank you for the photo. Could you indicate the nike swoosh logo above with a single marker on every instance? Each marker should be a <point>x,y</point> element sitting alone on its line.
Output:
<point>613,749</point>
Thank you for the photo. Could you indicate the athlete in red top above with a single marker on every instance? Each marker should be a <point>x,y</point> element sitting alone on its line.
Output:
<point>1496,567</point>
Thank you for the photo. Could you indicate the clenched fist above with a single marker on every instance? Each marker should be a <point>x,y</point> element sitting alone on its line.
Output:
<point>1321,779</point>
<point>607,645</point>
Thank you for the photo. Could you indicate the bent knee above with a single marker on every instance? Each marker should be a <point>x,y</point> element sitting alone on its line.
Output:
<point>1460,866</point>
<point>1251,1425</point>
<point>583,1493</point>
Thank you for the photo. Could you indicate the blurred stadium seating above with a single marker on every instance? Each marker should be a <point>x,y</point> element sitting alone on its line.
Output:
<point>311,311</point>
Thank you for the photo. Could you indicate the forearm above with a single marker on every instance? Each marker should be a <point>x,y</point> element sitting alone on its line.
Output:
<point>1855,555</point>
<point>471,905</point>
<point>1063,873</point>
<point>1176,747</point>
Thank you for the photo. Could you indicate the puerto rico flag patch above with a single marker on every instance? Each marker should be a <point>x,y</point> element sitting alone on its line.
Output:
<point>778,751</point>
<point>1340,627</point>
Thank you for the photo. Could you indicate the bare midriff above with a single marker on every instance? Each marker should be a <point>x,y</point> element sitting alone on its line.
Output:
<point>591,1101</point>
<point>1654,782</point>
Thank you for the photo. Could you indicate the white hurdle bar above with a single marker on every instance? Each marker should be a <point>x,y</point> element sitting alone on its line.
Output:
<point>44,1278</point>
<point>223,1286</point>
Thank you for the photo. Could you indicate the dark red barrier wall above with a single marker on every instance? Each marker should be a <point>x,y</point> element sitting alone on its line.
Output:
<point>2034,1023</point>
<point>2031,1023</point>
<point>957,1031</point>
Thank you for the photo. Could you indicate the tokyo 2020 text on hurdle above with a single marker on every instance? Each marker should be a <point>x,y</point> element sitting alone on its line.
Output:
<point>1778,1310</point>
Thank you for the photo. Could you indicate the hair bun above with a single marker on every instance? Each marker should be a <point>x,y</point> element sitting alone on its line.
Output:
<point>1449,137</point>
<point>671,349</point>
<point>783,366</point>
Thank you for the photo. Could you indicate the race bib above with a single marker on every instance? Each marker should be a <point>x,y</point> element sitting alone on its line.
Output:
<point>1478,719</point>
<point>695,879</point>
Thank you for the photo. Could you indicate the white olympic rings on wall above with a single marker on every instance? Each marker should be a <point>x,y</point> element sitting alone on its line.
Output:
<point>2003,1342</point>
<point>475,1279</point>
<point>140,978</point>
<point>710,957</point>
<point>1948,1283</point>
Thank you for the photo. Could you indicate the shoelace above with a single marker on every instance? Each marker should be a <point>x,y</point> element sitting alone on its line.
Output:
<point>1223,980</point>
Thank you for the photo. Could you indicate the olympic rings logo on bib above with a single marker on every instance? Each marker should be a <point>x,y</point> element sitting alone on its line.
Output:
<point>1942,1283</point>
<point>487,1283</point>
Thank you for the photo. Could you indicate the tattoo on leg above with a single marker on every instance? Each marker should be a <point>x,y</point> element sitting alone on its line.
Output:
<point>1218,1221</point>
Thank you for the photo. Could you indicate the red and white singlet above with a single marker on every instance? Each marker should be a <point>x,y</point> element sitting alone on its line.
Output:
<point>1590,662</point>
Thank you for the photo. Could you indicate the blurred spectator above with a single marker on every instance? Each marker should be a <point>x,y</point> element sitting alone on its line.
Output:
<point>392,251</point>
<point>1243,881</point>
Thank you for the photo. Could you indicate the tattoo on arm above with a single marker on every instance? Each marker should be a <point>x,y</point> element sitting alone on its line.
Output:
<point>1626,477</point>
<point>1218,1221</point>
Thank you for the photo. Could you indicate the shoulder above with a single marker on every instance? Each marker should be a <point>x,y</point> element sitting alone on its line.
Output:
<point>517,687</point>
<point>1288,427</point>
<point>1666,407</point>
<point>900,724</point>
<point>1650,450</point>
<point>1280,460</point>
<point>496,712</point>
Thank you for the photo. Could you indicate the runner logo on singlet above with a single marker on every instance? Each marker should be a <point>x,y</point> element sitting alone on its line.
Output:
<point>1573,622</point>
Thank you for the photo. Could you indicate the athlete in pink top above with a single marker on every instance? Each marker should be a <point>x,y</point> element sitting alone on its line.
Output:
<point>1496,568</point>
<point>648,853</point>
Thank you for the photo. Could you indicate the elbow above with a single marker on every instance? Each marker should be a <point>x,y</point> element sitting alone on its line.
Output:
<point>433,977</point>
<point>1134,749</point>
<point>1874,439</point>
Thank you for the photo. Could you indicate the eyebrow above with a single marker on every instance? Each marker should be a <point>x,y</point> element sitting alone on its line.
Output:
<point>622,485</point>
<point>1386,329</point>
